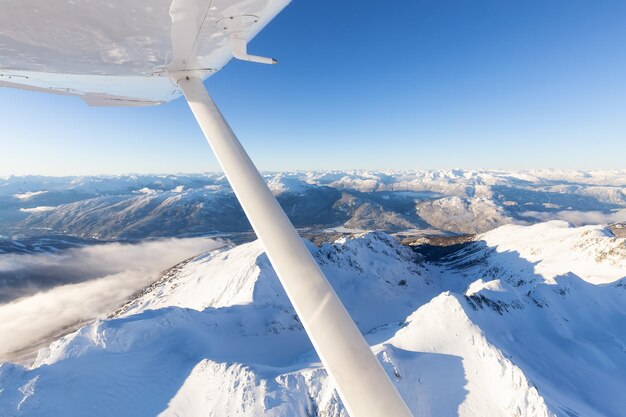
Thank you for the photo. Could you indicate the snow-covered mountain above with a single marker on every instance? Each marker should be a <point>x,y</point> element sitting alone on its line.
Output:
<point>455,201</point>
<point>521,321</point>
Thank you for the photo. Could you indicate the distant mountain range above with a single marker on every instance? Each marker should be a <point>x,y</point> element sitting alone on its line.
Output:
<point>429,202</point>
<point>522,321</point>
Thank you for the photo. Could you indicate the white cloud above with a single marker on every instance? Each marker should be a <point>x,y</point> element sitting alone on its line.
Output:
<point>38,209</point>
<point>110,274</point>
<point>146,190</point>
<point>580,218</point>
<point>178,189</point>
<point>27,195</point>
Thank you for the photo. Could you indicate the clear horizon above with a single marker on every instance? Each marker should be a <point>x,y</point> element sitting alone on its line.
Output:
<point>413,85</point>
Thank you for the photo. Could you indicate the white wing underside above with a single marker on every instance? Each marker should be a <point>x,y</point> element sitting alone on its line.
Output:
<point>121,53</point>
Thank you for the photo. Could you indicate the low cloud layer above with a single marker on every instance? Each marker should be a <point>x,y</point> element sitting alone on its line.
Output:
<point>93,280</point>
<point>580,218</point>
<point>26,274</point>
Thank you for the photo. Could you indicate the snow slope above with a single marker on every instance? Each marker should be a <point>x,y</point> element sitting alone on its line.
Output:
<point>524,321</point>
<point>553,299</point>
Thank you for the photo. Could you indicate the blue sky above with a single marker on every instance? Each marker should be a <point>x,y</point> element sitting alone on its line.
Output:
<point>405,84</point>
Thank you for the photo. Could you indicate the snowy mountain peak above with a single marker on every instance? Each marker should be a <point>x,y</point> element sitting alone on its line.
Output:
<point>557,248</point>
<point>443,328</point>
<point>478,332</point>
<point>284,183</point>
<point>373,263</point>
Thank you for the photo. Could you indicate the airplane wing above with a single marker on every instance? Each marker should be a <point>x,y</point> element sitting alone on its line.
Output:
<point>143,52</point>
<point>122,53</point>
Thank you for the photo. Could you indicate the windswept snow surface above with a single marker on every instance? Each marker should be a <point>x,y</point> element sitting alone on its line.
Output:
<point>524,321</point>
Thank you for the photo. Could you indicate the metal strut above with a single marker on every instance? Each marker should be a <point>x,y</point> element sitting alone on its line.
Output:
<point>362,384</point>
<point>239,47</point>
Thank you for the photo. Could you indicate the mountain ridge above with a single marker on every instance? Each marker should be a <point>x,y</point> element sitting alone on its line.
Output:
<point>471,333</point>
<point>448,201</point>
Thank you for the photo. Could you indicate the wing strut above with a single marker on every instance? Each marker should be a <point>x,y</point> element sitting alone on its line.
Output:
<point>362,384</point>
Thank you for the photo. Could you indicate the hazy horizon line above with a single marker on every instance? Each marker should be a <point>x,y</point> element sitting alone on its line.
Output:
<point>280,171</point>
